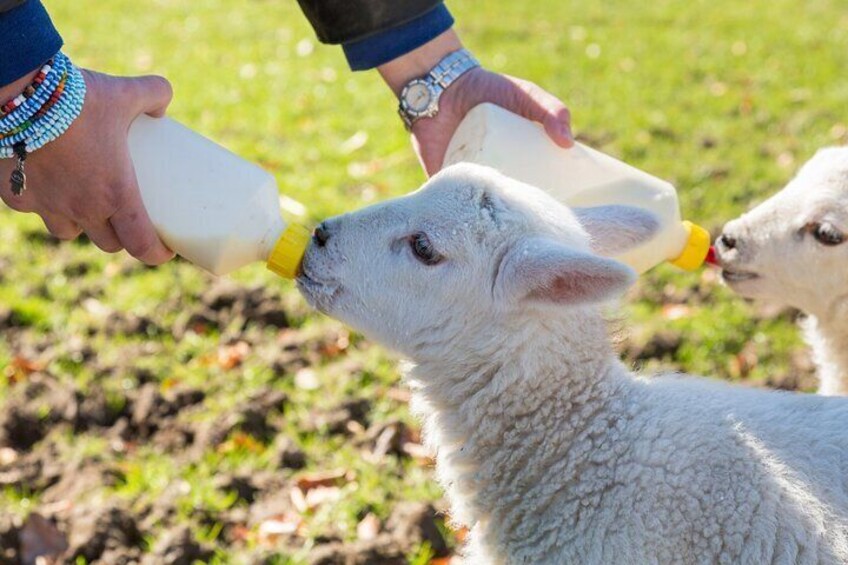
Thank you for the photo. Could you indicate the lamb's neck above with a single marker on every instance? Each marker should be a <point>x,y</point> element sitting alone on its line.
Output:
<point>827,335</point>
<point>514,414</point>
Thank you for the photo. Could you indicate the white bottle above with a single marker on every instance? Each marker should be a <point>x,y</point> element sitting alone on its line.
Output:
<point>579,177</point>
<point>207,204</point>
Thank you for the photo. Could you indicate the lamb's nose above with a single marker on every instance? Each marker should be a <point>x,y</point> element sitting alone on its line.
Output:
<point>727,241</point>
<point>321,235</point>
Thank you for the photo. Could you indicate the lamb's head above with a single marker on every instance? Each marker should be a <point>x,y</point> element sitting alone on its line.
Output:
<point>793,247</point>
<point>464,261</point>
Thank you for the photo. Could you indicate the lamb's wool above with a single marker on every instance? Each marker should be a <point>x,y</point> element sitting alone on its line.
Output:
<point>547,446</point>
<point>774,242</point>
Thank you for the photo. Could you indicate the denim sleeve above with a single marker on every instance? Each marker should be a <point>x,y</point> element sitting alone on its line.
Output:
<point>384,46</point>
<point>27,40</point>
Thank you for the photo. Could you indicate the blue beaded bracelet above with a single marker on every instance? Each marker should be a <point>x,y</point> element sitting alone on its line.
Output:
<point>61,113</point>
<point>40,97</point>
<point>43,116</point>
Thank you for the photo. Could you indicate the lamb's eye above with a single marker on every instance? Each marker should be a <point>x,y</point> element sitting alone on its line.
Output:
<point>827,234</point>
<point>424,250</point>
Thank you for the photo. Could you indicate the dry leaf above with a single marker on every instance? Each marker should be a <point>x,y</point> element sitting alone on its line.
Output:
<point>231,356</point>
<point>419,452</point>
<point>368,528</point>
<point>20,368</point>
<point>241,533</point>
<point>338,346</point>
<point>241,440</point>
<point>676,311</point>
<point>335,477</point>
<point>313,498</point>
<point>306,379</point>
<point>401,395</point>
<point>7,456</point>
<point>278,527</point>
<point>298,499</point>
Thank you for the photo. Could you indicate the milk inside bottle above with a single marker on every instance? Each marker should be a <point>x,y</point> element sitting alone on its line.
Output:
<point>208,205</point>
<point>579,177</point>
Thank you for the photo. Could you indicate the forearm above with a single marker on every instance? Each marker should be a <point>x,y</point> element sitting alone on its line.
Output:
<point>418,62</point>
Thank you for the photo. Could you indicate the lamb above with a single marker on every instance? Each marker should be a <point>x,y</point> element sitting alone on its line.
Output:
<point>549,448</point>
<point>791,250</point>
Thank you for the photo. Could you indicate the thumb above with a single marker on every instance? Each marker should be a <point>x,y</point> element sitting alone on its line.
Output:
<point>534,103</point>
<point>151,94</point>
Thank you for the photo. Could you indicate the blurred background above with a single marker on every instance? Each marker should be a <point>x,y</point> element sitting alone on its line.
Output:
<point>164,415</point>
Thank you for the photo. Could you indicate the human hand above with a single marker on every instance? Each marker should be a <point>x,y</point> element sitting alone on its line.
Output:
<point>431,136</point>
<point>84,181</point>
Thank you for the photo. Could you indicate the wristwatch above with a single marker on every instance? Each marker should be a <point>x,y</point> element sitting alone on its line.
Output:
<point>420,97</point>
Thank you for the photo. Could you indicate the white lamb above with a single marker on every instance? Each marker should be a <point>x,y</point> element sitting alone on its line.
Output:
<point>548,447</point>
<point>791,249</point>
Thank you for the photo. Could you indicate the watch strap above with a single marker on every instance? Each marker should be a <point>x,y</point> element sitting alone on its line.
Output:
<point>446,72</point>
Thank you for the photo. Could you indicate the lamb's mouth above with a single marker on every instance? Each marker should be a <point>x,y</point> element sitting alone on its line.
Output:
<point>738,276</point>
<point>320,294</point>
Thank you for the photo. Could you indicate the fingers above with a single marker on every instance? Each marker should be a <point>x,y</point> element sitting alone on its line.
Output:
<point>60,226</point>
<point>136,233</point>
<point>535,103</point>
<point>103,236</point>
<point>151,95</point>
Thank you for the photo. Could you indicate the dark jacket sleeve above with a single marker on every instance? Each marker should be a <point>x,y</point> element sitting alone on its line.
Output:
<point>27,38</point>
<point>344,21</point>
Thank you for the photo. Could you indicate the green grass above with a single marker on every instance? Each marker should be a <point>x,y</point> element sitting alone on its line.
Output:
<point>724,98</point>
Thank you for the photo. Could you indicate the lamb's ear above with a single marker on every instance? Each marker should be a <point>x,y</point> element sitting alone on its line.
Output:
<point>543,270</point>
<point>615,229</point>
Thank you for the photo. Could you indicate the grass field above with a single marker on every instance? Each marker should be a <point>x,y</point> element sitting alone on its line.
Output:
<point>139,383</point>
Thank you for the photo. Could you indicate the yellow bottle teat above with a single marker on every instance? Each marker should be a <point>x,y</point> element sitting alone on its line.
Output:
<point>697,247</point>
<point>288,251</point>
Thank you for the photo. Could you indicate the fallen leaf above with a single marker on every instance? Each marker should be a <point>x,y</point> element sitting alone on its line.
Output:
<point>338,346</point>
<point>321,495</point>
<point>676,311</point>
<point>241,533</point>
<point>419,452</point>
<point>401,395</point>
<point>231,356</point>
<point>309,481</point>
<point>21,367</point>
<point>274,529</point>
<point>298,499</point>
<point>313,498</point>
<point>306,379</point>
<point>7,456</point>
<point>241,441</point>
<point>368,528</point>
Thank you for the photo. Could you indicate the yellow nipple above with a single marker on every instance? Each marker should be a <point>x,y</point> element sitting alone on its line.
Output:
<point>289,250</point>
<point>697,247</point>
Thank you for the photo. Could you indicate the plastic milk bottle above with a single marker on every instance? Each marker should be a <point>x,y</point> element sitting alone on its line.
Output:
<point>208,205</point>
<point>579,176</point>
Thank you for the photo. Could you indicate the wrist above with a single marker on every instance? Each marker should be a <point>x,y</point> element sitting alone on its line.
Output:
<point>418,62</point>
<point>12,89</point>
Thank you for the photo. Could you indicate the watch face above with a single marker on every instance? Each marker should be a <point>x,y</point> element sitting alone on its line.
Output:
<point>418,96</point>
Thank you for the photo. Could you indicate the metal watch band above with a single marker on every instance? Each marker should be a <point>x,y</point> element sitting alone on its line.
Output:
<point>440,77</point>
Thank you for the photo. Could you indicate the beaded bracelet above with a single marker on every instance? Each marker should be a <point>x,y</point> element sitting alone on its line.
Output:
<point>28,91</point>
<point>39,115</point>
<point>30,105</point>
